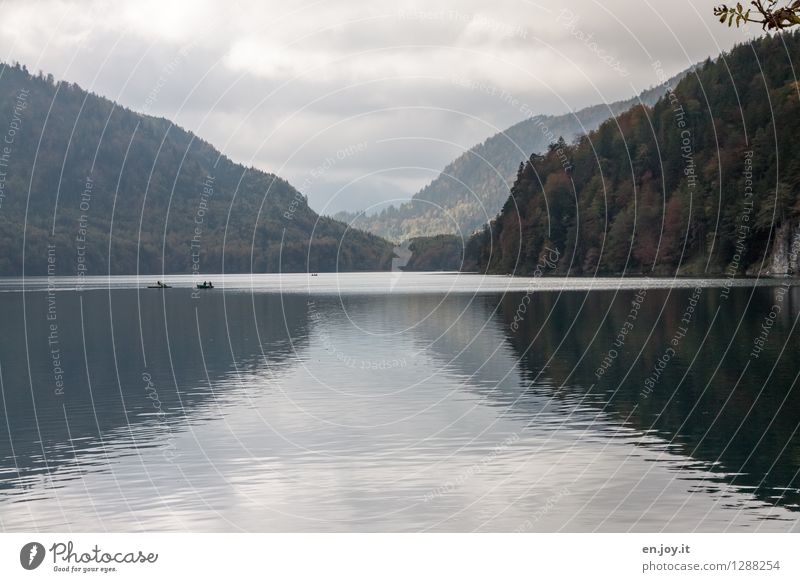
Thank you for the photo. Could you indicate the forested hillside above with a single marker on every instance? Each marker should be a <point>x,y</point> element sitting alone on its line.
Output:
<point>471,190</point>
<point>443,252</point>
<point>703,182</point>
<point>89,187</point>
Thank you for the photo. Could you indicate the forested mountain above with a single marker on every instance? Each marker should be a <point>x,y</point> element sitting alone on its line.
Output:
<point>471,190</point>
<point>89,187</point>
<point>443,252</point>
<point>703,182</point>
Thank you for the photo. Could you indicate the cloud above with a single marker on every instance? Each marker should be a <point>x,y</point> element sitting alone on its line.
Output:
<point>281,85</point>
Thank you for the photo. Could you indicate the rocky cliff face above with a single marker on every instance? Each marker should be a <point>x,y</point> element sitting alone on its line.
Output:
<point>784,257</point>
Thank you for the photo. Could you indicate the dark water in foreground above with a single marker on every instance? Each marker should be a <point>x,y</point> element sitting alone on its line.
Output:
<point>399,403</point>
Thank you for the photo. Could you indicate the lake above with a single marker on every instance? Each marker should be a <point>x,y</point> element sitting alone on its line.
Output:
<point>399,402</point>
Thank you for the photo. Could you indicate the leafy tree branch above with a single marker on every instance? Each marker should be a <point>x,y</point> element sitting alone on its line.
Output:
<point>770,14</point>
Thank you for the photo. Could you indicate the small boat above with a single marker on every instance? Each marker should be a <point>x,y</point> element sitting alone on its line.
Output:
<point>314,274</point>
<point>159,285</point>
<point>205,285</point>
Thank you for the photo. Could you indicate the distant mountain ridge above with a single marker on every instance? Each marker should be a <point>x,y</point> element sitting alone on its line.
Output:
<point>88,187</point>
<point>472,189</point>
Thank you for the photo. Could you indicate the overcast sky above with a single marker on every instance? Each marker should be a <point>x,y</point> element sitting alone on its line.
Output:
<point>358,101</point>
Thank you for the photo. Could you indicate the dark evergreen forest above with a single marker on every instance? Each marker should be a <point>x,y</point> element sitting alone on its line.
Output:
<point>697,184</point>
<point>86,184</point>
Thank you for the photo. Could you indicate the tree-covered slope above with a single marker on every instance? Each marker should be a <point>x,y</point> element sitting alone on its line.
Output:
<point>89,187</point>
<point>703,182</point>
<point>443,252</point>
<point>471,190</point>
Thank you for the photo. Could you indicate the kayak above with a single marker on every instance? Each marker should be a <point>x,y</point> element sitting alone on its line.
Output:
<point>159,286</point>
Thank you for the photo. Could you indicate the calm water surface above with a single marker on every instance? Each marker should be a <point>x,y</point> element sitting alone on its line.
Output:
<point>399,402</point>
